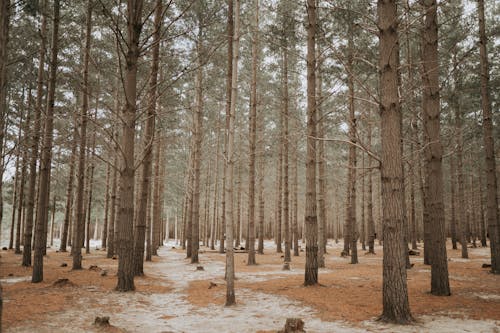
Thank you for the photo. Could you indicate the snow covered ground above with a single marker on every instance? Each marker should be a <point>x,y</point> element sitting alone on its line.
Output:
<point>254,311</point>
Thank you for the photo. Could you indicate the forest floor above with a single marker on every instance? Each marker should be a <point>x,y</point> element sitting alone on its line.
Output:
<point>174,296</point>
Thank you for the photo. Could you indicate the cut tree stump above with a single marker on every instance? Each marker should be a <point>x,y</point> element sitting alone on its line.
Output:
<point>293,325</point>
<point>286,266</point>
<point>101,321</point>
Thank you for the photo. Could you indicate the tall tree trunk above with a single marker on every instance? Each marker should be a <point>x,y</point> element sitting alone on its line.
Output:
<point>370,222</point>
<point>198,140</point>
<point>286,191</point>
<point>69,188</point>
<point>230,50</point>
<point>311,219</point>
<point>396,307</point>
<point>52,220</point>
<point>215,218</point>
<point>79,222</point>
<point>145,185</point>
<point>125,223</point>
<point>279,187</point>
<point>35,140</point>
<point>90,189</point>
<point>5,8</point>
<point>433,152</point>
<point>17,175</point>
<point>230,158</point>
<point>351,183</point>
<point>45,162</point>
<point>481,208</point>
<point>261,192</point>
<point>253,139</point>
<point>321,167</point>
<point>453,223</point>
<point>295,226</point>
<point>492,214</point>
<point>22,184</point>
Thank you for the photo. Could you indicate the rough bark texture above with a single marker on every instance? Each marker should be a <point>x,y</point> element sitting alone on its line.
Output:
<point>286,188</point>
<point>46,157</point>
<point>147,163</point>
<point>434,152</point>
<point>370,222</point>
<point>253,139</point>
<point>5,9</point>
<point>230,295</point>
<point>78,231</point>
<point>311,219</point>
<point>125,223</point>
<point>198,141</point>
<point>229,76</point>
<point>492,214</point>
<point>396,307</point>
<point>22,184</point>
<point>106,208</point>
<point>35,140</point>
<point>321,170</point>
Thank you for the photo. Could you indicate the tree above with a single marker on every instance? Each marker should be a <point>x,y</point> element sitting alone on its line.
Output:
<point>433,151</point>
<point>46,158</point>
<point>147,163</point>
<point>125,223</point>
<point>311,219</point>
<point>396,307</point>
<point>230,158</point>
<point>253,139</point>
<point>79,222</point>
<point>492,214</point>
<point>35,140</point>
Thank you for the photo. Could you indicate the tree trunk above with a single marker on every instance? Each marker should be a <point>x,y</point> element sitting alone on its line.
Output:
<point>90,188</point>
<point>35,140</point>
<point>253,139</point>
<point>79,222</point>
<point>145,185</point>
<point>286,191</point>
<point>45,162</point>
<point>433,152</point>
<point>198,140</point>
<point>230,50</point>
<point>492,214</point>
<point>22,184</point>
<point>125,223</point>
<point>321,168</point>
<point>396,307</point>
<point>230,295</point>
<point>453,223</point>
<point>370,222</point>
<point>69,188</point>
<point>104,242</point>
<point>52,220</point>
<point>311,219</point>
<point>5,8</point>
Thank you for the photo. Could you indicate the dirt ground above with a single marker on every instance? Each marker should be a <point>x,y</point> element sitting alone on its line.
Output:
<point>174,296</point>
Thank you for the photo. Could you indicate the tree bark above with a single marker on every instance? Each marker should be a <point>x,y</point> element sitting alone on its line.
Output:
<point>198,140</point>
<point>311,219</point>
<point>145,182</point>
<point>35,140</point>
<point>286,190</point>
<point>396,307</point>
<point>125,223</point>
<point>253,138</point>
<point>433,152</point>
<point>79,222</point>
<point>492,214</point>
<point>45,161</point>
<point>230,295</point>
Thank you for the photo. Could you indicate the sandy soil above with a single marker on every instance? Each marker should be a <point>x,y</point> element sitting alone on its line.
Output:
<point>174,296</point>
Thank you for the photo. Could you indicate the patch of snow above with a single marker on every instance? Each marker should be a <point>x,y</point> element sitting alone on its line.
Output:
<point>15,279</point>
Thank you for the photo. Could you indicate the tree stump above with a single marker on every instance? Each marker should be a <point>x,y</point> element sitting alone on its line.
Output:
<point>286,266</point>
<point>293,325</point>
<point>101,321</point>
